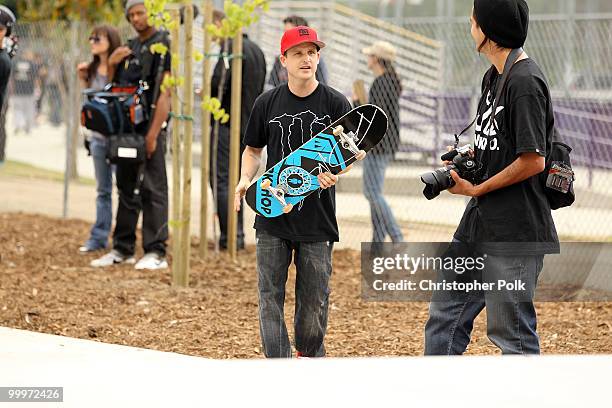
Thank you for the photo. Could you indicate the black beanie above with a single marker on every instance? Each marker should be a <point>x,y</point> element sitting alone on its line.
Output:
<point>503,21</point>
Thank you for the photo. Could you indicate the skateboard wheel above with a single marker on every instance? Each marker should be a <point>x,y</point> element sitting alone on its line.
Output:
<point>287,209</point>
<point>338,130</point>
<point>266,184</point>
<point>361,155</point>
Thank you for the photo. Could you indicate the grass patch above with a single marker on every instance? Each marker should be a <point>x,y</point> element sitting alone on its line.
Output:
<point>12,168</point>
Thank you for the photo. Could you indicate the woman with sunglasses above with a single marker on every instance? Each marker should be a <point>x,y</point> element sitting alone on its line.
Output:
<point>94,75</point>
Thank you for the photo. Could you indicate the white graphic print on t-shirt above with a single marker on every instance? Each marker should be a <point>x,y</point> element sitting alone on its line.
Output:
<point>489,130</point>
<point>299,128</point>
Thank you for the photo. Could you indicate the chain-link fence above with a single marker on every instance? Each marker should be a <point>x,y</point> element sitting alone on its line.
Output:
<point>440,74</point>
<point>575,56</point>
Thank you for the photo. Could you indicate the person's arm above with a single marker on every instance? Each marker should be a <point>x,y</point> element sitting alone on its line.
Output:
<point>162,110</point>
<point>82,73</point>
<point>525,166</point>
<point>527,118</point>
<point>115,59</point>
<point>251,160</point>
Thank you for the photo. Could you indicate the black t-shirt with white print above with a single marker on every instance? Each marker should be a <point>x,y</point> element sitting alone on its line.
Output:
<point>283,122</point>
<point>515,220</point>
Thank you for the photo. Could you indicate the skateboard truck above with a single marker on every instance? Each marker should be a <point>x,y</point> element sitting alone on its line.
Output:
<point>348,142</point>
<point>278,193</point>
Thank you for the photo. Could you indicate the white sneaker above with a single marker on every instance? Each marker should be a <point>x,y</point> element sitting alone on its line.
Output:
<point>152,261</point>
<point>112,258</point>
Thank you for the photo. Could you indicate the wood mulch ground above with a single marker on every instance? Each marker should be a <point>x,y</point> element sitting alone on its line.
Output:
<point>46,286</point>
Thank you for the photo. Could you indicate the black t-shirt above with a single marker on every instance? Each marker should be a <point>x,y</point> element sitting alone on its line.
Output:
<point>283,122</point>
<point>515,220</point>
<point>144,64</point>
<point>5,73</point>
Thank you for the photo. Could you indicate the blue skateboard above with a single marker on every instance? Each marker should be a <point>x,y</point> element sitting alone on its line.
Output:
<point>294,178</point>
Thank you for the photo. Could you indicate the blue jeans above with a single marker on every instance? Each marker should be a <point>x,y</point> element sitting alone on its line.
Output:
<point>313,270</point>
<point>100,231</point>
<point>383,221</point>
<point>511,316</point>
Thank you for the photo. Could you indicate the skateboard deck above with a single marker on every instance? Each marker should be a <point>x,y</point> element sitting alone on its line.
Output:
<point>290,181</point>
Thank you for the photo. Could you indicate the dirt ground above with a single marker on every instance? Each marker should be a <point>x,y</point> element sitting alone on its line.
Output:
<point>46,286</point>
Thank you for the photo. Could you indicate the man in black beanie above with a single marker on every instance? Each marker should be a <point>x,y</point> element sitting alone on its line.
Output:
<point>508,220</point>
<point>504,22</point>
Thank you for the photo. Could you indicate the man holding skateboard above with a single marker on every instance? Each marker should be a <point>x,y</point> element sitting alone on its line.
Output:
<point>283,119</point>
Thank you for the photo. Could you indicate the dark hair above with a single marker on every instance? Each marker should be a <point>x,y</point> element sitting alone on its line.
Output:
<point>296,21</point>
<point>114,41</point>
<point>487,39</point>
<point>390,69</point>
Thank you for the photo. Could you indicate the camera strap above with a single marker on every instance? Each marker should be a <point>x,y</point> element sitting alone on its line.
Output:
<point>499,89</point>
<point>510,61</point>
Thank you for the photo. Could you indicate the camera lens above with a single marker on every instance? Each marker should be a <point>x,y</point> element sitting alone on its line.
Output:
<point>436,181</point>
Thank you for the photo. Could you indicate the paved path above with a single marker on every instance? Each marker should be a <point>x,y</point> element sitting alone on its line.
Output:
<point>95,374</point>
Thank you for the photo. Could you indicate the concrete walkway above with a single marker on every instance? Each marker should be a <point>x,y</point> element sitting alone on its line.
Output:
<point>95,374</point>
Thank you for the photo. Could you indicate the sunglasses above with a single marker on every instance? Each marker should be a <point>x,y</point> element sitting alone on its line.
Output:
<point>94,39</point>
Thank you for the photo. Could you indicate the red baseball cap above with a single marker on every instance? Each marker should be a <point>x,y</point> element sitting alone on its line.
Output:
<point>300,35</point>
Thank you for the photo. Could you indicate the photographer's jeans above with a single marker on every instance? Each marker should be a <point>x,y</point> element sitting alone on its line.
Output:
<point>383,221</point>
<point>313,270</point>
<point>511,322</point>
<point>98,238</point>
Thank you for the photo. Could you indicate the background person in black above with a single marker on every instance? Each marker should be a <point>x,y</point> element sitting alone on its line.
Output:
<point>508,217</point>
<point>384,93</point>
<point>253,80</point>
<point>283,119</point>
<point>25,77</point>
<point>128,65</point>
<point>7,20</point>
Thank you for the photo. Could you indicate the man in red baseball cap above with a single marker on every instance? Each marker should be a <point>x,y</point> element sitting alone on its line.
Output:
<point>282,120</point>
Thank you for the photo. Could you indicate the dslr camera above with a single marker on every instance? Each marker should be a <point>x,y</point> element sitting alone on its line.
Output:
<point>462,162</point>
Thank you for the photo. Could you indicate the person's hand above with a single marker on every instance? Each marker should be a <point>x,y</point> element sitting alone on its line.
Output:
<point>462,186</point>
<point>450,149</point>
<point>240,192</point>
<point>119,55</point>
<point>448,162</point>
<point>151,146</point>
<point>346,170</point>
<point>82,70</point>
<point>327,180</point>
